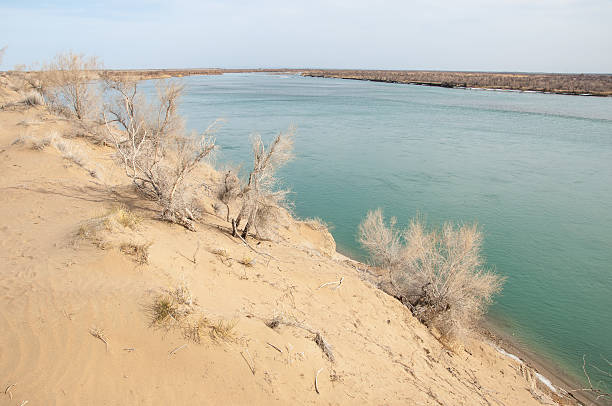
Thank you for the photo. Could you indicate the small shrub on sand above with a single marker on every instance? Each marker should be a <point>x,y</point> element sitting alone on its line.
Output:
<point>33,99</point>
<point>223,330</point>
<point>140,252</point>
<point>44,142</point>
<point>126,217</point>
<point>172,307</point>
<point>163,310</point>
<point>247,260</point>
<point>195,331</point>
<point>439,274</point>
<point>116,228</point>
<point>71,152</point>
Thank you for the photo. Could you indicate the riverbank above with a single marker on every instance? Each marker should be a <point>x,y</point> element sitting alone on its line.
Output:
<point>74,306</point>
<point>567,84</point>
<point>561,379</point>
<point>549,373</point>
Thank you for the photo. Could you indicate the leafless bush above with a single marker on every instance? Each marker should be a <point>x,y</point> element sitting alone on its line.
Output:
<point>317,224</point>
<point>262,202</point>
<point>439,274</point>
<point>66,82</point>
<point>33,99</point>
<point>30,99</point>
<point>71,151</point>
<point>382,241</point>
<point>2,52</point>
<point>153,149</point>
<point>229,189</point>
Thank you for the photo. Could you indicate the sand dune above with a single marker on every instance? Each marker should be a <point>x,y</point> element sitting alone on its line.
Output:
<point>56,288</point>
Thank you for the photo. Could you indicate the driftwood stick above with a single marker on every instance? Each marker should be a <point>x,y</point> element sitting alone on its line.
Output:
<point>317,380</point>
<point>275,347</point>
<point>332,283</point>
<point>254,250</point>
<point>99,334</point>
<point>252,368</point>
<point>177,349</point>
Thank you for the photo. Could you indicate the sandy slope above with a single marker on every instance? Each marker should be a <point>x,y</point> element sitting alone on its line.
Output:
<point>54,288</point>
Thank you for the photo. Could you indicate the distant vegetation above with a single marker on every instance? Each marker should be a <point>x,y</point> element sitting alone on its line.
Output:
<point>592,84</point>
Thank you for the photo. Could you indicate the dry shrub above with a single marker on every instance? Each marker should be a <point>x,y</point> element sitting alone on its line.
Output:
<point>382,241</point>
<point>67,84</point>
<point>262,202</point>
<point>439,274</point>
<point>228,190</point>
<point>33,99</point>
<point>37,143</point>
<point>154,150</point>
<point>71,151</point>
<point>2,52</point>
<point>29,99</point>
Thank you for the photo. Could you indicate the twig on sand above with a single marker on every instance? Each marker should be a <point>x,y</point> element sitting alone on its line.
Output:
<point>8,390</point>
<point>99,334</point>
<point>25,402</point>
<point>129,349</point>
<point>177,349</point>
<point>275,347</point>
<point>318,337</point>
<point>254,250</point>
<point>252,368</point>
<point>193,259</point>
<point>317,380</point>
<point>333,283</point>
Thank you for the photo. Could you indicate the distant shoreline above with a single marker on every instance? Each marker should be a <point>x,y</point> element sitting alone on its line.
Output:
<point>566,84</point>
<point>599,85</point>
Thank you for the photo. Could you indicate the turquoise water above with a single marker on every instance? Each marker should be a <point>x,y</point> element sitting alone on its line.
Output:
<point>534,170</point>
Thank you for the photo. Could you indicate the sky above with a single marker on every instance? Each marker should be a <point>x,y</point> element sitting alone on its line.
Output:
<point>482,35</point>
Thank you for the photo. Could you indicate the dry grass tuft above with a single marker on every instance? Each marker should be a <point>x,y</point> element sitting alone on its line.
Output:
<point>317,224</point>
<point>223,330</point>
<point>126,217</point>
<point>195,331</point>
<point>164,310</point>
<point>140,252</point>
<point>247,261</point>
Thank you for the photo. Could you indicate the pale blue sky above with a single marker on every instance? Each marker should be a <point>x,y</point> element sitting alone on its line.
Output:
<point>498,35</point>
